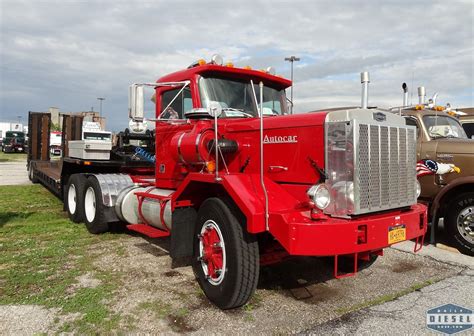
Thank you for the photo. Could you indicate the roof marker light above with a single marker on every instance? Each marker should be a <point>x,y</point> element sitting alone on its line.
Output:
<point>229,64</point>
<point>197,63</point>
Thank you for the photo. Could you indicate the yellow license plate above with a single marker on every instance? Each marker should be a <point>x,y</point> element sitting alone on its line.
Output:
<point>397,234</point>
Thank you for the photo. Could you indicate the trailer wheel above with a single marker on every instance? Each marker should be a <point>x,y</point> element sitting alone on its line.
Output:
<point>74,197</point>
<point>94,208</point>
<point>226,261</point>
<point>460,223</point>
<point>31,174</point>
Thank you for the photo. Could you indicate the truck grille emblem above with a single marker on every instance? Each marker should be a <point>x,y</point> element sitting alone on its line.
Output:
<point>379,116</point>
<point>277,139</point>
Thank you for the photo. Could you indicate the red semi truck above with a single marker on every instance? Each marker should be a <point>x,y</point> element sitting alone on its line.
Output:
<point>237,182</point>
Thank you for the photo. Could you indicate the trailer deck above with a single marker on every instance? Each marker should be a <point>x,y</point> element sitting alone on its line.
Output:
<point>54,173</point>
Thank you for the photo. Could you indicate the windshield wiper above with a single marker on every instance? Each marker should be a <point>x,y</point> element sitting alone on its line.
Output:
<point>444,136</point>
<point>231,109</point>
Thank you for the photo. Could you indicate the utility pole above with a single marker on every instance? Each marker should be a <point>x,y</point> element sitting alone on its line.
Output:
<point>100,106</point>
<point>292,59</point>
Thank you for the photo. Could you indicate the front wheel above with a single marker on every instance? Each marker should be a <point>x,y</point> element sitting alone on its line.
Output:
<point>227,260</point>
<point>460,223</point>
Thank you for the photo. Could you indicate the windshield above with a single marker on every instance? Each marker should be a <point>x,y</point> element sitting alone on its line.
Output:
<point>10,134</point>
<point>443,127</point>
<point>236,97</point>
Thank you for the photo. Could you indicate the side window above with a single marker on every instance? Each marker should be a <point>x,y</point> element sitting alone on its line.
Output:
<point>468,127</point>
<point>179,104</point>
<point>412,122</point>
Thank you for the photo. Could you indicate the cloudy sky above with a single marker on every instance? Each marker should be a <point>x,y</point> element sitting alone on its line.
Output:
<point>67,53</point>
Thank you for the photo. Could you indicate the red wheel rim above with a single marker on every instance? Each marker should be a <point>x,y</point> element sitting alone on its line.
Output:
<point>212,252</point>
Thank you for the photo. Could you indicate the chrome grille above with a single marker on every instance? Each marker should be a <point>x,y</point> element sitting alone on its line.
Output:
<point>385,162</point>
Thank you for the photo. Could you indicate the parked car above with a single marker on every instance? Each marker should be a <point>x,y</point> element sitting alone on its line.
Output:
<point>13,142</point>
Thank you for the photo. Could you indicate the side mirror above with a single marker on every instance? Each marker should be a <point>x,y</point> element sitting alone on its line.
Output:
<point>135,102</point>
<point>214,109</point>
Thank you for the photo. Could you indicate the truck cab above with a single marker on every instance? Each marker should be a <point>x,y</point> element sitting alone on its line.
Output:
<point>236,173</point>
<point>13,142</point>
<point>441,138</point>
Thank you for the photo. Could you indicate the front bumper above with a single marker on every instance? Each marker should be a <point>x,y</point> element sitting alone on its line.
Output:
<point>13,148</point>
<point>301,235</point>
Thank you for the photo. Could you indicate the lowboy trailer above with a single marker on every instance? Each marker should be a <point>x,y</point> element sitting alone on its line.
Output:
<point>237,182</point>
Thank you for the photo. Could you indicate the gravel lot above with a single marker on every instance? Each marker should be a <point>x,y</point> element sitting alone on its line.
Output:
<point>404,316</point>
<point>294,296</point>
<point>299,295</point>
<point>13,173</point>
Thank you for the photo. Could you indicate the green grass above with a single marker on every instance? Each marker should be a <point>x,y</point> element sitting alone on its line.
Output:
<point>41,255</point>
<point>9,157</point>
<point>176,317</point>
<point>387,297</point>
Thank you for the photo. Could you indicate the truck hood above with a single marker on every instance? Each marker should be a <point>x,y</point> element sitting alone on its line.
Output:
<point>455,146</point>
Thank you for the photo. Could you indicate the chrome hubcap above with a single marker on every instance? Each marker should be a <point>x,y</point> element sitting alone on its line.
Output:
<point>89,204</point>
<point>71,199</point>
<point>466,224</point>
<point>212,252</point>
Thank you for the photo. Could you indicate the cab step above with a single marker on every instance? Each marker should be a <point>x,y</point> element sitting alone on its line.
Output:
<point>148,230</point>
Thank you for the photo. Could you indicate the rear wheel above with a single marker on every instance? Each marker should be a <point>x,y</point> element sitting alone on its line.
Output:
<point>94,209</point>
<point>227,260</point>
<point>460,223</point>
<point>74,197</point>
<point>31,174</point>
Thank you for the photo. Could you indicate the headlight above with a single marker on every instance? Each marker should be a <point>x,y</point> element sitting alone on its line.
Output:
<point>320,195</point>
<point>418,189</point>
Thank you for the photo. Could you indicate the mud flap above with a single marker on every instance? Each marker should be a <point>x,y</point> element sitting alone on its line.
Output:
<point>184,220</point>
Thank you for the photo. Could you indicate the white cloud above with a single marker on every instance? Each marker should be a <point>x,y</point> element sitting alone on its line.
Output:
<point>68,53</point>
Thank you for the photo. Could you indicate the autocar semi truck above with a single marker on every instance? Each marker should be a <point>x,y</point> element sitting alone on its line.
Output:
<point>236,182</point>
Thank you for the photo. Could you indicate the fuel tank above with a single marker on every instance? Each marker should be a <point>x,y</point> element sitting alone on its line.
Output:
<point>153,211</point>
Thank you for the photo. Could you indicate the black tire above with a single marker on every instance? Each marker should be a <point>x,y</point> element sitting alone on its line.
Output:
<point>94,209</point>
<point>234,287</point>
<point>74,197</point>
<point>31,174</point>
<point>459,223</point>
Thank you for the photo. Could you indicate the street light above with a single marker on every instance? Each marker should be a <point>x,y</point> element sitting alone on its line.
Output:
<point>292,59</point>
<point>100,106</point>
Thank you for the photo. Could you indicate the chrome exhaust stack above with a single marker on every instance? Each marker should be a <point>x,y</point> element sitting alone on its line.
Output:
<point>365,80</point>
<point>421,95</point>
<point>405,94</point>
